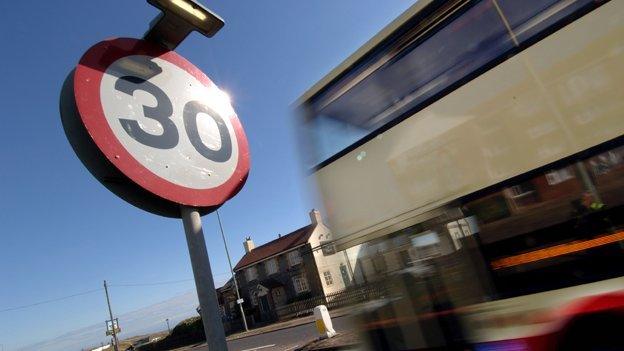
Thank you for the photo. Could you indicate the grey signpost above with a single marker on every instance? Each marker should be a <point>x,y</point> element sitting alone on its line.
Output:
<point>182,157</point>
<point>206,292</point>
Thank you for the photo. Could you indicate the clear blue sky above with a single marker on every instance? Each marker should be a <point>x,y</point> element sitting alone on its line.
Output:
<point>61,232</point>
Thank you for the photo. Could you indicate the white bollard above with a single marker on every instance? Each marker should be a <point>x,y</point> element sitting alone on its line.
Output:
<point>323,322</point>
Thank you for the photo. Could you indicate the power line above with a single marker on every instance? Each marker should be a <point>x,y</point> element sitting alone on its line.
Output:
<point>161,283</point>
<point>96,290</point>
<point>152,284</point>
<point>50,301</point>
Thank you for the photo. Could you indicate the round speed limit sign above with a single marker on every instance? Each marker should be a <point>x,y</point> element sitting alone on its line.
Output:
<point>161,123</point>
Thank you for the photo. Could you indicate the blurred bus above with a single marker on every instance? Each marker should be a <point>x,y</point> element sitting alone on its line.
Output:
<point>474,151</point>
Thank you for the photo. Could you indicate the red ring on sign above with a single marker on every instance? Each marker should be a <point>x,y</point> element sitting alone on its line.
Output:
<point>87,81</point>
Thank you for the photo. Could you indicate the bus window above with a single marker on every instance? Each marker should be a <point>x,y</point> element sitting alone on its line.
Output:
<point>530,17</point>
<point>423,69</point>
<point>570,232</point>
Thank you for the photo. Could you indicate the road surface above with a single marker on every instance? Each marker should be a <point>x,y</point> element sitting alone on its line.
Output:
<point>282,340</point>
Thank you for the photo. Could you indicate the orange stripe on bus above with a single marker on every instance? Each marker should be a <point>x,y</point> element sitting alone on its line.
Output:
<point>557,250</point>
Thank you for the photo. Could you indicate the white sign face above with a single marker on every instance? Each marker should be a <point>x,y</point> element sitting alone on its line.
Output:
<point>109,327</point>
<point>152,118</point>
<point>161,122</point>
<point>240,301</point>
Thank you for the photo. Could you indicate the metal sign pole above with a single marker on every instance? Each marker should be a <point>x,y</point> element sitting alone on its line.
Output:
<point>106,152</point>
<point>204,283</point>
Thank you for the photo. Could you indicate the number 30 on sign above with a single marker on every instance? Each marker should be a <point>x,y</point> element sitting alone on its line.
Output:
<point>164,127</point>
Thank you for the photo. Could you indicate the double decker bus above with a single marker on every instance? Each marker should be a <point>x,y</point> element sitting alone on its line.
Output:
<point>474,151</point>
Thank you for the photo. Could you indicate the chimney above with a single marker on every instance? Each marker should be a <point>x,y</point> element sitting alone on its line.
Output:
<point>248,244</point>
<point>315,217</point>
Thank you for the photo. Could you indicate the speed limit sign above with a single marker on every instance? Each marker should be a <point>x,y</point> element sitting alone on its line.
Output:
<point>156,125</point>
<point>157,132</point>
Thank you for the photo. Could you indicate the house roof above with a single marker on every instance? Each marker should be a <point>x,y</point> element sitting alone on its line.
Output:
<point>277,246</point>
<point>228,285</point>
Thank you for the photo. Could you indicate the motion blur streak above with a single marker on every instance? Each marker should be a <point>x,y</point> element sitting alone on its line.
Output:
<point>557,250</point>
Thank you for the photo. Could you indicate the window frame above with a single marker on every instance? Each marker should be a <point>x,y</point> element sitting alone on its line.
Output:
<point>490,248</point>
<point>272,262</point>
<point>301,285</point>
<point>248,271</point>
<point>294,258</point>
<point>329,280</point>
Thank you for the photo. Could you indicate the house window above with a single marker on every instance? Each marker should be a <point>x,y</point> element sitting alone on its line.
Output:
<point>379,263</point>
<point>345,275</point>
<point>301,284</point>
<point>294,258</point>
<point>254,298</point>
<point>251,273</point>
<point>522,189</point>
<point>329,249</point>
<point>279,296</point>
<point>328,278</point>
<point>406,259</point>
<point>559,176</point>
<point>523,194</point>
<point>271,266</point>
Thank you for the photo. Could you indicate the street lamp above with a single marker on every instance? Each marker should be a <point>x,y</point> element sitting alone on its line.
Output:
<point>239,301</point>
<point>179,18</point>
<point>168,328</point>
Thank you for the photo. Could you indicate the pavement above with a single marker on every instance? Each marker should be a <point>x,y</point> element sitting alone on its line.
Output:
<point>296,335</point>
<point>288,324</point>
<point>349,340</point>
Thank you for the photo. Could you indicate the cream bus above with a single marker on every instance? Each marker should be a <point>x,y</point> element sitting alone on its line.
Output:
<point>477,146</point>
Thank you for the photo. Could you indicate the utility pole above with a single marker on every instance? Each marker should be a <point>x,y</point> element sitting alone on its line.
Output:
<point>227,252</point>
<point>110,312</point>
<point>168,328</point>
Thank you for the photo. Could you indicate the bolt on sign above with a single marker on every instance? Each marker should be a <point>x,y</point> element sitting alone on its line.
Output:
<point>153,128</point>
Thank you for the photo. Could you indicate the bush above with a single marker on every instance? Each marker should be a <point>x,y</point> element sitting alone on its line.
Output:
<point>188,332</point>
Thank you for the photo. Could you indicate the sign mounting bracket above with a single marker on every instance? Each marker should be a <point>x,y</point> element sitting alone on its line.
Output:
<point>178,19</point>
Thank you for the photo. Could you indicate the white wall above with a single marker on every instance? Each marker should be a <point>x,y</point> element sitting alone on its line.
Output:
<point>332,263</point>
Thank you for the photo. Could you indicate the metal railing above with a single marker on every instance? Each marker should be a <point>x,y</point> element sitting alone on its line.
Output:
<point>343,298</point>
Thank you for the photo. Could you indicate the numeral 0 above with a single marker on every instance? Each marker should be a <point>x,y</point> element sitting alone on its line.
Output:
<point>162,113</point>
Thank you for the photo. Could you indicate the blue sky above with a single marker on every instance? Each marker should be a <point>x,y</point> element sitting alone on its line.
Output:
<point>62,233</point>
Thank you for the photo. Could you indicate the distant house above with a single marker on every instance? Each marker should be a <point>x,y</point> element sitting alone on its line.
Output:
<point>226,296</point>
<point>293,267</point>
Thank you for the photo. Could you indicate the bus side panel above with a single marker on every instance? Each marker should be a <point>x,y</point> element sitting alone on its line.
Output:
<point>558,97</point>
